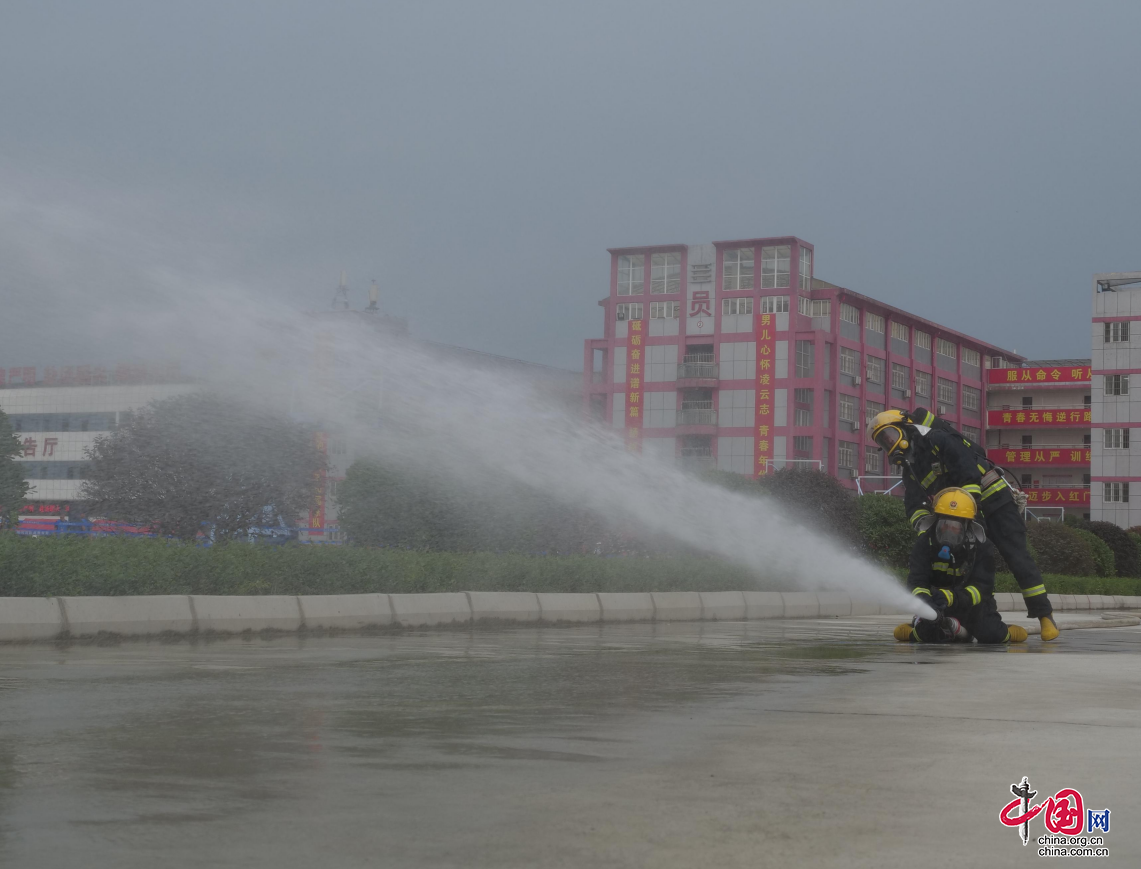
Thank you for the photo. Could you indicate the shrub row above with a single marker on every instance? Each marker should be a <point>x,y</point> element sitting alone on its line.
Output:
<point>41,567</point>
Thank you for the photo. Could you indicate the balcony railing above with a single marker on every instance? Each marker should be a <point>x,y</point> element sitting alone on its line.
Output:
<point>1037,446</point>
<point>1021,407</point>
<point>696,416</point>
<point>697,463</point>
<point>697,371</point>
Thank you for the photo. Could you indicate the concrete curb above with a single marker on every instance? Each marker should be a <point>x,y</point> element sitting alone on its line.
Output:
<point>25,619</point>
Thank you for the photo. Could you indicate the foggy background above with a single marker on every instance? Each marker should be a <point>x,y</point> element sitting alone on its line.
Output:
<point>972,162</point>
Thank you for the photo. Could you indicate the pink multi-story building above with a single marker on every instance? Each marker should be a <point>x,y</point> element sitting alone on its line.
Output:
<point>733,355</point>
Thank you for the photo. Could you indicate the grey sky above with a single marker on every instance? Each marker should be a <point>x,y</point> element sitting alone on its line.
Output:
<point>972,162</point>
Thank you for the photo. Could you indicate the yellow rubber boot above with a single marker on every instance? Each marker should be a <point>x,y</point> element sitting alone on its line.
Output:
<point>902,632</point>
<point>1016,634</point>
<point>1049,628</point>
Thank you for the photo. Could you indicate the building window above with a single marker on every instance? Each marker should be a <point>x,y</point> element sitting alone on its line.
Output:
<point>846,457</point>
<point>923,384</point>
<point>774,305</point>
<point>805,358</point>
<point>1116,438</point>
<point>847,408</point>
<point>849,313</point>
<point>945,348</point>
<point>1116,332</point>
<point>775,266</point>
<point>665,310</point>
<point>740,305</point>
<point>737,269</point>
<point>971,357</point>
<point>849,361</point>
<point>874,323</point>
<point>802,399</point>
<point>899,332</point>
<point>815,307</point>
<point>802,447</point>
<point>899,376</point>
<point>665,273</point>
<point>1117,493</point>
<point>875,370</point>
<point>971,398</point>
<point>631,311</point>
<point>971,432</point>
<point>631,275</point>
<point>946,396</point>
<point>872,409</point>
<point>872,460</point>
<point>922,340</point>
<point>805,268</point>
<point>1117,384</point>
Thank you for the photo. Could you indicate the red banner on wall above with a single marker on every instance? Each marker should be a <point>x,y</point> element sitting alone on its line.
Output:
<point>1057,497</point>
<point>1029,376</point>
<point>1041,456</point>
<point>766,353</point>
<point>634,387</point>
<point>1042,417</point>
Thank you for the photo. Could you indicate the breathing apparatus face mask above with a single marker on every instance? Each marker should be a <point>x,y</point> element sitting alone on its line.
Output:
<point>890,439</point>
<point>950,532</point>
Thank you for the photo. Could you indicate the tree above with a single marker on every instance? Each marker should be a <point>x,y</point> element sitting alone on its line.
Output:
<point>13,486</point>
<point>200,459</point>
<point>390,505</point>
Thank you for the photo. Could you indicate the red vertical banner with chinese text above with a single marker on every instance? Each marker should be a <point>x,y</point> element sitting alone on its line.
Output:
<point>317,513</point>
<point>634,362</point>
<point>763,431</point>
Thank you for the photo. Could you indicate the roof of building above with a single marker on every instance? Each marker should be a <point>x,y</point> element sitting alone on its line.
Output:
<point>1054,363</point>
<point>931,324</point>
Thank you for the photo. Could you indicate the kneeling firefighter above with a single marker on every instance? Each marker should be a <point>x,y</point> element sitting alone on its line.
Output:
<point>952,569</point>
<point>935,457</point>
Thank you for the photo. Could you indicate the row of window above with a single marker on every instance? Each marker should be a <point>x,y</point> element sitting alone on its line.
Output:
<point>847,453</point>
<point>40,422</point>
<point>737,270</point>
<point>818,308</point>
<point>658,311</point>
<point>54,470</point>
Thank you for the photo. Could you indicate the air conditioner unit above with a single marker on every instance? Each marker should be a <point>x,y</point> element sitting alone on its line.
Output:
<point>907,393</point>
<point>853,425</point>
<point>857,380</point>
<point>851,473</point>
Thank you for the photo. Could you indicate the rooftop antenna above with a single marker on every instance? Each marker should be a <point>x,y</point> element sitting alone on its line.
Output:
<point>341,296</point>
<point>373,297</point>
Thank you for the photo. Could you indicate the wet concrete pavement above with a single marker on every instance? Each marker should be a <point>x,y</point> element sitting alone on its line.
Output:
<point>798,743</point>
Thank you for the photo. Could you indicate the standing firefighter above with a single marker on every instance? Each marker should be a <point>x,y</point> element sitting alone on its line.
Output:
<point>935,458</point>
<point>952,569</point>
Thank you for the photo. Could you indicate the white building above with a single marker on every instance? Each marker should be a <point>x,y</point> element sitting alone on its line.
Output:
<point>1115,464</point>
<point>57,423</point>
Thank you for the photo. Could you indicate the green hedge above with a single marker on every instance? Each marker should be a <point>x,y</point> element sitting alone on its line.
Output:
<point>1102,554</point>
<point>44,567</point>
<point>1057,583</point>
<point>883,525</point>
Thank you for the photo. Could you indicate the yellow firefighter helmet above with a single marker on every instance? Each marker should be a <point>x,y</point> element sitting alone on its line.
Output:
<point>887,432</point>
<point>955,502</point>
<point>953,518</point>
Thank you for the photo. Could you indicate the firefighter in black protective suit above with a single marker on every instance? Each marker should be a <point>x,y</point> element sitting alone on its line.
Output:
<point>934,457</point>
<point>952,569</point>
